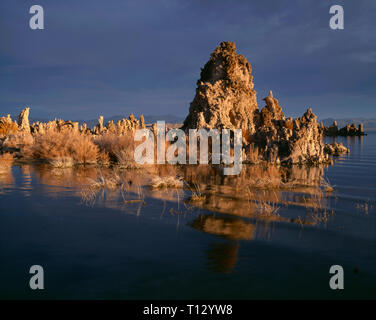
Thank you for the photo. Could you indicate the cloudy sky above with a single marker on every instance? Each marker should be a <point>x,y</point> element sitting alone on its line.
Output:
<point>144,56</point>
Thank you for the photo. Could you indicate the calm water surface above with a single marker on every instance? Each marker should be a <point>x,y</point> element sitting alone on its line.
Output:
<point>138,243</point>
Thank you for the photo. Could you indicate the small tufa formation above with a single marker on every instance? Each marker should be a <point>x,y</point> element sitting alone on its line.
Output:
<point>111,126</point>
<point>290,141</point>
<point>142,122</point>
<point>336,149</point>
<point>348,130</point>
<point>272,110</point>
<point>57,125</point>
<point>225,98</point>
<point>23,121</point>
<point>122,127</point>
<point>99,128</point>
<point>83,128</point>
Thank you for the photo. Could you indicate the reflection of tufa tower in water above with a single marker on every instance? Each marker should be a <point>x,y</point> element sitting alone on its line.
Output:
<point>223,256</point>
<point>360,128</point>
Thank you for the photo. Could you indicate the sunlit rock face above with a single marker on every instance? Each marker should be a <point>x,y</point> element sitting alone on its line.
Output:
<point>272,111</point>
<point>291,141</point>
<point>57,125</point>
<point>225,98</point>
<point>23,121</point>
<point>336,149</point>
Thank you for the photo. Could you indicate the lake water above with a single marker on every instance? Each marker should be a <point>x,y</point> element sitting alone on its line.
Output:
<point>269,233</point>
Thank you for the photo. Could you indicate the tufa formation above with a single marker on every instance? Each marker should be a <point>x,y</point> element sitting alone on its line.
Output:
<point>225,98</point>
<point>348,130</point>
<point>123,126</point>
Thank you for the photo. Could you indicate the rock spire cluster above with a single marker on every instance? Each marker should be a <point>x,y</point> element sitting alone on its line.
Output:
<point>225,98</point>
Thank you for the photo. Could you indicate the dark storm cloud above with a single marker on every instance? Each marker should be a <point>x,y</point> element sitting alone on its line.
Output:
<point>117,57</point>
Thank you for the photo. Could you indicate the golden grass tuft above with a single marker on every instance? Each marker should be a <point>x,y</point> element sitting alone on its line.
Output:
<point>7,127</point>
<point>18,141</point>
<point>253,154</point>
<point>166,182</point>
<point>197,195</point>
<point>63,149</point>
<point>120,149</point>
<point>106,182</point>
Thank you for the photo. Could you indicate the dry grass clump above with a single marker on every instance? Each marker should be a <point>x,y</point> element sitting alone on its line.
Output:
<point>18,141</point>
<point>253,154</point>
<point>111,183</point>
<point>197,194</point>
<point>7,127</point>
<point>61,163</point>
<point>125,159</point>
<point>90,192</point>
<point>63,149</point>
<point>166,182</point>
<point>195,197</point>
<point>120,149</point>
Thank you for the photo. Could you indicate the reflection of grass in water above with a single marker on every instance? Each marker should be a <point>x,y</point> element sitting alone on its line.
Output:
<point>267,209</point>
<point>105,185</point>
<point>326,186</point>
<point>6,161</point>
<point>258,192</point>
<point>222,257</point>
<point>6,176</point>
<point>196,193</point>
<point>271,180</point>
<point>321,217</point>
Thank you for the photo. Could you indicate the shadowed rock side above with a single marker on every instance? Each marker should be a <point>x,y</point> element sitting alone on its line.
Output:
<point>225,98</point>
